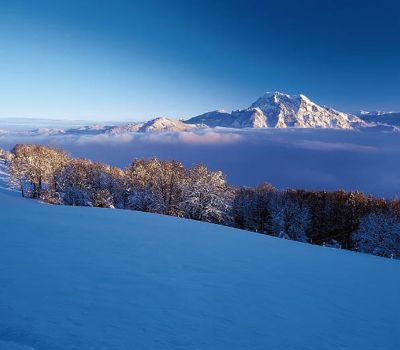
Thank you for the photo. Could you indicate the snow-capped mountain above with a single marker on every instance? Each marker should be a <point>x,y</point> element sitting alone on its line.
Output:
<point>155,125</point>
<point>278,110</point>
<point>213,119</point>
<point>272,110</point>
<point>166,124</point>
<point>161,124</point>
<point>246,118</point>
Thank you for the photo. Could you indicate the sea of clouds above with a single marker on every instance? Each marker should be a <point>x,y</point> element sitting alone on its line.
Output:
<point>296,158</point>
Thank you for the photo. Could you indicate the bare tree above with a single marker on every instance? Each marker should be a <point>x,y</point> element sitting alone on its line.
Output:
<point>33,166</point>
<point>156,185</point>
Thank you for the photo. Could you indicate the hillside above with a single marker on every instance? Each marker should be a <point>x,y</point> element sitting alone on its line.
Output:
<point>84,278</point>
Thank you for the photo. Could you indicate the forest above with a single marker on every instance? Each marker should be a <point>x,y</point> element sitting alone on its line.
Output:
<point>339,219</point>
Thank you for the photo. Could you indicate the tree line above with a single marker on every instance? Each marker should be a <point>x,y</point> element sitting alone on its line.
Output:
<point>348,220</point>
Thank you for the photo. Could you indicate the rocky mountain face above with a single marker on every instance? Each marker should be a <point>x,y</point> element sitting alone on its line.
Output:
<point>278,110</point>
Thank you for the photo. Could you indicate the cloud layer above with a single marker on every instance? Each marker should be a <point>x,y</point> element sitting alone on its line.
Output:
<point>313,159</point>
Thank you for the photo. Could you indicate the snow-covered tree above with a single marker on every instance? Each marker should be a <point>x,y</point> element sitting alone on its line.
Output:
<point>139,185</point>
<point>99,181</point>
<point>206,196</point>
<point>252,209</point>
<point>73,183</point>
<point>82,182</point>
<point>162,179</point>
<point>166,186</point>
<point>32,167</point>
<point>379,234</point>
<point>5,155</point>
<point>290,218</point>
<point>143,199</point>
<point>117,187</point>
<point>295,219</point>
<point>267,210</point>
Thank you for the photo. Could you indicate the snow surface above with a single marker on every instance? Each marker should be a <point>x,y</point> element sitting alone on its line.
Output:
<point>90,278</point>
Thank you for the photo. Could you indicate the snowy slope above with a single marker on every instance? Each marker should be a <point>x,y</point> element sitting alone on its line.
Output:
<point>279,110</point>
<point>85,278</point>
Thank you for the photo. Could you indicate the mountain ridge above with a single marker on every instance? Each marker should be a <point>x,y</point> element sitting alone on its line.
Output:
<point>279,110</point>
<point>271,110</point>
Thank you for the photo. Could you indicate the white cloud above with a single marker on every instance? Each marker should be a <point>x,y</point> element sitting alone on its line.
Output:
<point>209,137</point>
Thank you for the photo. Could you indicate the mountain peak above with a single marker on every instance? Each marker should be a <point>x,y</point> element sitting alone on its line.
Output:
<point>279,110</point>
<point>275,93</point>
<point>281,95</point>
<point>305,98</point>
<point>165,124</point>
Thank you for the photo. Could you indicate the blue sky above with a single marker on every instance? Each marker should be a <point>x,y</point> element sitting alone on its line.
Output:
<point>127,60</point>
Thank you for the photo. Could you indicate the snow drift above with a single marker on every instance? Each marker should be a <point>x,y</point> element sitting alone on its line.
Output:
<point>84,278</point>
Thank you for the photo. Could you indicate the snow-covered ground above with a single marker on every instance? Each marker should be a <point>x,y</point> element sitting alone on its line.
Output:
<point>86,278</point>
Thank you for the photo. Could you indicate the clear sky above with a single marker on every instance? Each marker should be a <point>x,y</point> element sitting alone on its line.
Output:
<point>134,60</point>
